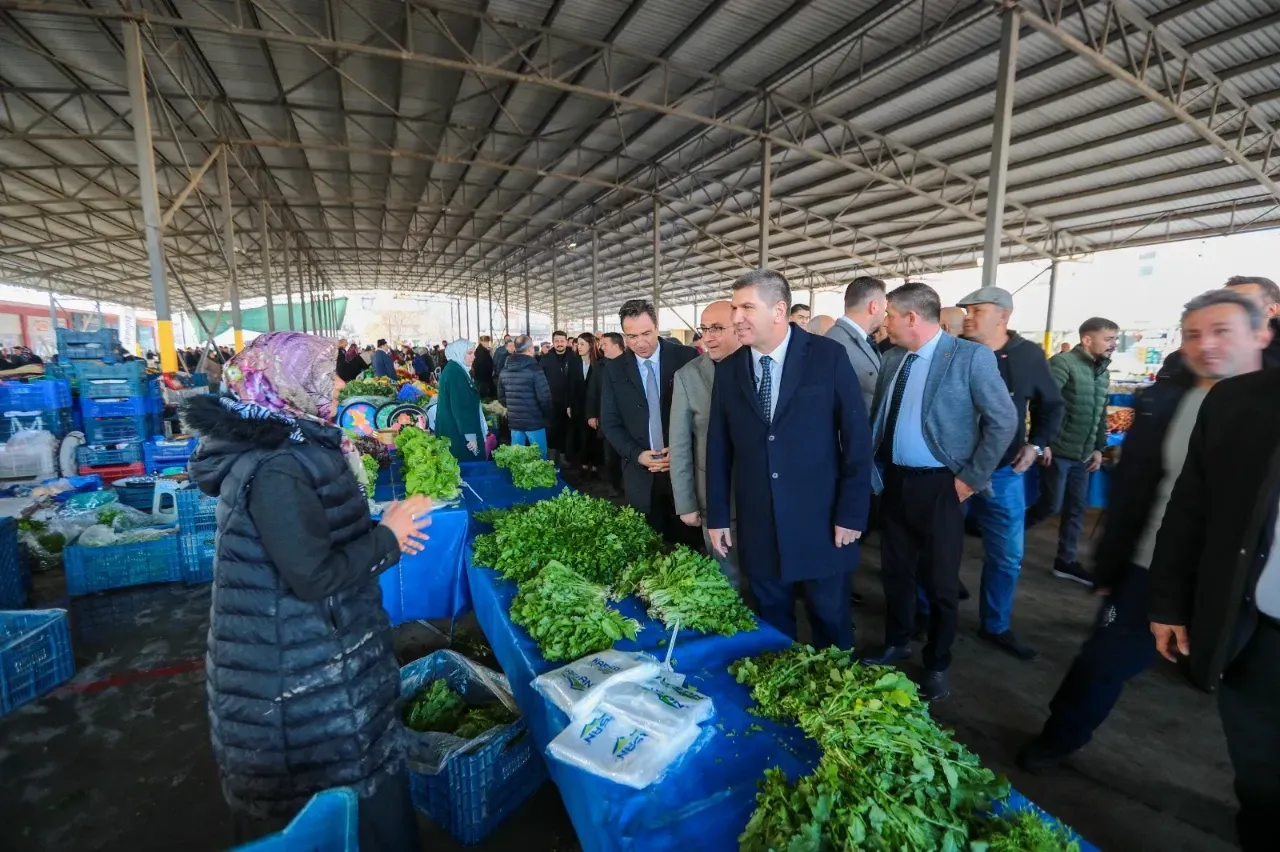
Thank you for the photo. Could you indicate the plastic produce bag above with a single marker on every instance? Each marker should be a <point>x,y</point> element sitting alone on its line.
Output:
<point>429,751</point>
<point>617,747</point>
<point>578,687</point>
<point>659,705</point>
<point>101,535</point>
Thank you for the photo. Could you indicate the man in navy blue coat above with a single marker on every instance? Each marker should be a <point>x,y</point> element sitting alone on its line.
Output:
<point>790,430</point>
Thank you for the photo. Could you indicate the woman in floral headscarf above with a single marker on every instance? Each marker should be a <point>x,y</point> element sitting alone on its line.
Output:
<point>301,678</point>
<point>458,414</point>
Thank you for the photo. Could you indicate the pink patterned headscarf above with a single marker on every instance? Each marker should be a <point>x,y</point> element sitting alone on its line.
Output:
<point>286,372</point>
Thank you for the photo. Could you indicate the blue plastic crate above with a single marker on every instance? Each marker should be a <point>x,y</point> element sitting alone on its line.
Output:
<point>197,550</point>
<point>159,454</point>
<point>49,395</point>
<point>35,655</point>
<point>197,511</point>
<point>15,575</point>
<point>87,345</point>
<point>99,456</point>
<point>327,824</point>
<point>130,406</point>
<point>115,430</point>
<point>111,381</point>
<point>96,569</point>
<point>58,422</point>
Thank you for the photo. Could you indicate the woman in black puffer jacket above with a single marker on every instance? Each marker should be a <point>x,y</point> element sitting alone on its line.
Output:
<point>523,389</point>
<point>302,682</point>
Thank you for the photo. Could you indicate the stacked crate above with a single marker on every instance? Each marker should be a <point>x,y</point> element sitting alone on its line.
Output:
<point>41,405</point>
<point>75,346</point>
<point>114,407</point>
<point>197,534</point>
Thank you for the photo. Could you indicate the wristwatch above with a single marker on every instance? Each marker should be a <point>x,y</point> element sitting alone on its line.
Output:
<point>1039,450</point>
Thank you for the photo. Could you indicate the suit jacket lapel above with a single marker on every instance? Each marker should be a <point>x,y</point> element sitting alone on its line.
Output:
<point>888,373</point>
<point>707,373</point>
<point>792,370</point>
<point>632,370</point>
<point>747,379</point>
<point>938,366</point>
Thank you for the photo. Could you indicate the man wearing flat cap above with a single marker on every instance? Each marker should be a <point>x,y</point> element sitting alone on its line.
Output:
<point>1001,514</point>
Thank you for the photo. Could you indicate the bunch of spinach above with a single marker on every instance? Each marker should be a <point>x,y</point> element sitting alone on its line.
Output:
<point>889,778</point>
<point>592,537</point>
<point>689,588</point>
<point>528,468</point>
<point>567,615</point>
<point>429,465</point>
<point>438,708</point>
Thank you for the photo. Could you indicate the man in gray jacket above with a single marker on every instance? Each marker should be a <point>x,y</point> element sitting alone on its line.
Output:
<point>864,304</point>
<point>690,413</point>
<point>942,422</point>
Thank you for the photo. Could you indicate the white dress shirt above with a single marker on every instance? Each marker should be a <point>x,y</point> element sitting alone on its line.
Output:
<point>656,360</point>
<point>909,446</point>
<point>779,355</point>
<point>857,329</point>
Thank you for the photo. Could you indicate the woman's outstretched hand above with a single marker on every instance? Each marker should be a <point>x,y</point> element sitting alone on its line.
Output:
<point>407,519</point>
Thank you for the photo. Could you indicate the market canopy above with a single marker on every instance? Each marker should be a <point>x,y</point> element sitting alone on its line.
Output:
<point>255,319</point>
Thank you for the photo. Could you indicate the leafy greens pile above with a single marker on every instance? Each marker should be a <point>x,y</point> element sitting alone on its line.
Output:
<point>688,588</point>
<point>567,615</point>
<point>367,387</point>
<point>438,708</point>
<point>592,537</point>
<point>371,467</point>
<point>889,778</point>
<point>429,465</point>
<point>528,468</point>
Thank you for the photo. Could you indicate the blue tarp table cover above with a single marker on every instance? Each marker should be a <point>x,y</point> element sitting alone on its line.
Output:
<point>706,799</point>
<point>431,584</point>
<point>498,492</point>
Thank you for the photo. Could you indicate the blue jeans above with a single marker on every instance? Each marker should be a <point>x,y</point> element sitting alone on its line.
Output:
<point>1119,649</point>
<point>1064,487</point>
<point>537,438</point>
<point>1001,517</point>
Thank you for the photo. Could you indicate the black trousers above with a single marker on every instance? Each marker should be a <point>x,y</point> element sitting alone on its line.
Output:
<point>612,466</point>
<point>1249,701</point>
<point>827,602</point>
<point>922,537</point>
<point>663,518</point>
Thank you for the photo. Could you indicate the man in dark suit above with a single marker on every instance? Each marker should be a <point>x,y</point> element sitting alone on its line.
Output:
<point>635,416</point>
<point>789,430</point>
<point>611,347</point>
<point>384,366</point>
<point>943,420</point>
<point>864,302</point>
<point>557,363</point>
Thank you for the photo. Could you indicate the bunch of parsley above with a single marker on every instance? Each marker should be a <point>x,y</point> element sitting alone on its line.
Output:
<point>688,588</point>
<point>567,615</point>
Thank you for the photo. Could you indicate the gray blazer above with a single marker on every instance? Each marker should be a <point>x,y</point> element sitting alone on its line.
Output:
<point>690,416</point>
<point>864,357</point>
<point>969,419</point>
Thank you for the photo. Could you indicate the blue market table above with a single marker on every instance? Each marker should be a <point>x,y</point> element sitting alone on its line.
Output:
<point>705,800</point>
<point>431,584</point>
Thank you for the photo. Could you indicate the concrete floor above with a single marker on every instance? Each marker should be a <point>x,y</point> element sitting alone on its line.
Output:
<point>120,759</point>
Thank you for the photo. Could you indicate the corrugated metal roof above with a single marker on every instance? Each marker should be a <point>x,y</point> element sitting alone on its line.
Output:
<point>477,137</point>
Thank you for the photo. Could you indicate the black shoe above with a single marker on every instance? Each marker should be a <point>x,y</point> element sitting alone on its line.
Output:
<point>889,655</point>
<point>964,593</point>
<point>936,686</point>
<point>1072,571</point>
<point>1006,641</point>
<point>1041,756</point>
<point>920,632</point>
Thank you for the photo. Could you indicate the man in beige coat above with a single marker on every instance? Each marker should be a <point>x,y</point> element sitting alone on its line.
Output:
<point>690,410</point>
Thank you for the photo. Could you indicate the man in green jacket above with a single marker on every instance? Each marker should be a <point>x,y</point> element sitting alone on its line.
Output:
<point>1084,377</point>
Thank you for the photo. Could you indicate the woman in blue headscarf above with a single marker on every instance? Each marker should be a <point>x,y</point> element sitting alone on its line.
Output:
<point>458,414</point>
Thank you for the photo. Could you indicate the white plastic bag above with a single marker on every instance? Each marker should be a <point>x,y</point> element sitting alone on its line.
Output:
<point>659,705</point>
<point>578,687</point>
<point>616,747</point>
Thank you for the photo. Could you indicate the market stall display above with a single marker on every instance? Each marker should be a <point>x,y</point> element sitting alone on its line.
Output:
<point>371,388</point>
<point>432,583</point>
<point>429,465</point>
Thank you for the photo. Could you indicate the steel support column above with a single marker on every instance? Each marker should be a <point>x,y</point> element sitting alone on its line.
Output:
<point>266,267</point>
<point>657,255</point>
<point>555,289</point>
<point>229,246</point>
<point>766,189</point>
<point>489,306</point>
<point>528,323</point>
<point>288,284</point>
<point>304,273</point>
<point>137,78</point>
<point>1048,320</point>
<point>595,281</point>
<point>998,174</point>
<point>506,304</point>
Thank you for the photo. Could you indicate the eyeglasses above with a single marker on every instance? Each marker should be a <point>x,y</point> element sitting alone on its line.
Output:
<point>712,329</point>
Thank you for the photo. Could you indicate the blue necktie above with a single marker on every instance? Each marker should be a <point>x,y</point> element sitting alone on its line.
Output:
<point>653,400</point>
<point>764,393</point>
<point>895,403</point>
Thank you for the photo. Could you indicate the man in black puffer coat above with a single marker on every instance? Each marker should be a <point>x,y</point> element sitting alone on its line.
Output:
<point>302,680</point>
<point>523,389</point>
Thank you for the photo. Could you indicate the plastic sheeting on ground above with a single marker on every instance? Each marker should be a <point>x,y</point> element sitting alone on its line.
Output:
<point>705,800</point>
<point>431,584</point>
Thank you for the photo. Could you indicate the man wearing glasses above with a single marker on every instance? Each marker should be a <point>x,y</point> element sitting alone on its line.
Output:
<point>690,413</point>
